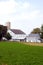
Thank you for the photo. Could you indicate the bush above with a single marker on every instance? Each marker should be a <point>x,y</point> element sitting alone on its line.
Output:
<point>8,36</point>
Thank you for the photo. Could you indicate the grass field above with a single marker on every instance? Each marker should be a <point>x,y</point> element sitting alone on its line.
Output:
<point>14,53</point>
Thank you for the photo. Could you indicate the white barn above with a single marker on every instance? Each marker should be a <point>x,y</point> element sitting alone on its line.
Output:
<point>17,35</point>
<point>33,38</point>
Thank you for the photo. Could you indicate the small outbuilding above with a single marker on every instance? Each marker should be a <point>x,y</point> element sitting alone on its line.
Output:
<point>33,38</point>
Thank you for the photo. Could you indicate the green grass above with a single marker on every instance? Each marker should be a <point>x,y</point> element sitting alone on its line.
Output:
<point>14,53</point>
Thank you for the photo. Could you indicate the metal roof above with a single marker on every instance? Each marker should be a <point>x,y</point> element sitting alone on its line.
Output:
<point>33,35</point>
<point>17,31</point>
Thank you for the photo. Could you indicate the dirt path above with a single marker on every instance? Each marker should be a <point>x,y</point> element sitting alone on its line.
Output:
<point>33,44</point>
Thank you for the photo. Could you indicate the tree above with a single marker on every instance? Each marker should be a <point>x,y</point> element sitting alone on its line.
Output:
<point>42,28</point>
<point>3,31</point>
<point>8,36</point>
<point>0,36</point>
<point>36,31</point>
<point>41,35</point>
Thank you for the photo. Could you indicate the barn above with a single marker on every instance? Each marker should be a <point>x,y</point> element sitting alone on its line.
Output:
<point>17,35</point>
<point>33,37</point>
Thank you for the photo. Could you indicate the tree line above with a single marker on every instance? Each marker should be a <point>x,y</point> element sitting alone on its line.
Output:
<point>4,33</point>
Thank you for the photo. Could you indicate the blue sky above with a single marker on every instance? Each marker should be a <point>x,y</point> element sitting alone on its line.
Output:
<point>23,14</point>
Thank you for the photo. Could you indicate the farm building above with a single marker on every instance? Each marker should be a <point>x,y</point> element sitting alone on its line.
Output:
<point>33,38</point>
<point>17,35</point>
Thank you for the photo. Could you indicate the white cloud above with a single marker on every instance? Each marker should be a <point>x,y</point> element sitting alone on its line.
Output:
<point>18,13</point>
<point>9,7</point>
<point>34,14</point>
<point>26,5</point>
<point>12,6</point>
<point>28,15</point>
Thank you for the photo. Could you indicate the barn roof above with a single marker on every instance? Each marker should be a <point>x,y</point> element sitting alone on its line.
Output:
<point>17,31</point>
<point>33,35</point>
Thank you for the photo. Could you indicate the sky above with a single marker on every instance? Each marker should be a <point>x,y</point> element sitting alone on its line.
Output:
<point>23,14</point>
